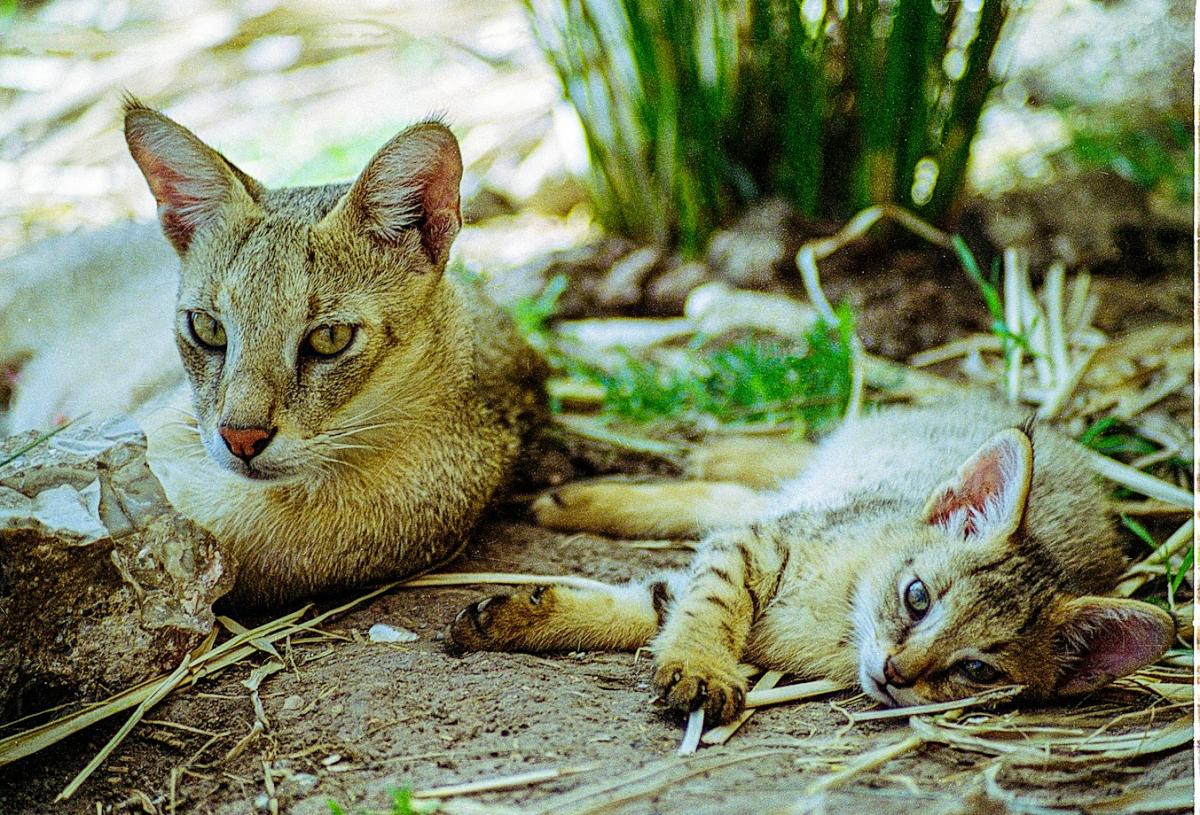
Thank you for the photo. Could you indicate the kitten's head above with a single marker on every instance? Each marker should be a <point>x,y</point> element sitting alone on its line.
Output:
<point>970,602</point>
<point>308,319</point>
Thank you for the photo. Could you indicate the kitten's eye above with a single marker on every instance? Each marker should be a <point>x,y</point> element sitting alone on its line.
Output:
<point>978,671</point>
<point>916,598</point>
<point>207,330</point>
<point>329,340</point>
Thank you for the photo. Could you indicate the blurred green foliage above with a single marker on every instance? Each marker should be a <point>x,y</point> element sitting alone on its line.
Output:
<point>1156,155</point>
<point>402,804</point>
<point>690,109</point>
<point>751,381</point>
<point>756,379</point>
<point>759,379</point>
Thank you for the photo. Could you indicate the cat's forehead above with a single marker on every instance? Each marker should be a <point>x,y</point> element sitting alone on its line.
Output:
<point>263,262</point>
<point>302,205</point>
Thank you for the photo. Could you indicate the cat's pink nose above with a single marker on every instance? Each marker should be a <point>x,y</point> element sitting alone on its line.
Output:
<point>246,442</point>
<point>892,674</point>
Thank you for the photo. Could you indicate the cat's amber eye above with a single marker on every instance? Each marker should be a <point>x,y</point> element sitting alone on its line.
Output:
<point>916,599</point>
<point>207,330</point>
<point>978,671</point>
<point>329,340</point>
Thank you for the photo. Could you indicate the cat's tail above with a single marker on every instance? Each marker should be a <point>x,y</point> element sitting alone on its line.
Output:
<point>580,616</point>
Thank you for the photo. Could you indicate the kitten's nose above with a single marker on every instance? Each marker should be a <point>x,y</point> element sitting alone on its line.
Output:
<point>892,674</point>
<point>246,442</point>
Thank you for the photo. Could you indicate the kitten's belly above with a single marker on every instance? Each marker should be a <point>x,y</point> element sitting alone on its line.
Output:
<point>902,454</point>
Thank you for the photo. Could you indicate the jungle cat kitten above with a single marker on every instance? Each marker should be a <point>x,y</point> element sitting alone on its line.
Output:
<point>353,408</point>
<point>926,553</point>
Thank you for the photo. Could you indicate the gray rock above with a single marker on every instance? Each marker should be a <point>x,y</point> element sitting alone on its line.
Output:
<point>622,286</point>
<point>667,294</point>
<point>102,583</point>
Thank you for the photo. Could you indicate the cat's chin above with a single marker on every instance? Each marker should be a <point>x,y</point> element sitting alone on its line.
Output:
<point>261,475</point>
<point>251,474</point>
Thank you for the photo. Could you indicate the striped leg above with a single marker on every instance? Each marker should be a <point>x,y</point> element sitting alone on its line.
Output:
<point>566,618</point>
<point>735,573</point>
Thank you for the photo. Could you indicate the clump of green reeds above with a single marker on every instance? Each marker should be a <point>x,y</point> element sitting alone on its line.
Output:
<point>751,381</point>
<point>692,109</point>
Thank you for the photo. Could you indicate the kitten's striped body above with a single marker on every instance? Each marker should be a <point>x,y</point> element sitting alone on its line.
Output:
<point>811,579</point>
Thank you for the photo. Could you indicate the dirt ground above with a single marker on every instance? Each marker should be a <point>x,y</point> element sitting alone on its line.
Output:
<point>352,720</point>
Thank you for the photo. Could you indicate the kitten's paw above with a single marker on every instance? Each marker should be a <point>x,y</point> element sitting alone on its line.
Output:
<point>502,622</point>
<point>687,684</point>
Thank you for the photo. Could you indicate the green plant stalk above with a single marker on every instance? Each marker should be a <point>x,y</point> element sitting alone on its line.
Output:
<point>692,109</point>
<point>903,100</point>
<point>37,441</point>
<point>970,94</point>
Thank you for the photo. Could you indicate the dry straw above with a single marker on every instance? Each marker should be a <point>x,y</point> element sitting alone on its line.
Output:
<point>1066,369</point>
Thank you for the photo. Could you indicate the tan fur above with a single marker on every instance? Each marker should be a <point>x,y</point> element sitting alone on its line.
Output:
<point>379,460</point>
<point>816,586</point>
<point>721,491</point>
<point>385,457</point>
<point>620,509</point>
<point>761,462</point>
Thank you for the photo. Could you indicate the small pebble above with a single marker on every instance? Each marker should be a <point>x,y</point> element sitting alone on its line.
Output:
<point>293,702</point>
<point>305,782</point>
<point>381,632</point>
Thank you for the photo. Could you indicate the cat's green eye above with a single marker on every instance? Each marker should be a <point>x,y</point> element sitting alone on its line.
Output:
<point>207,330</point>
<point>329,340</point>
<point>916,598</point>
<point>978,671</point>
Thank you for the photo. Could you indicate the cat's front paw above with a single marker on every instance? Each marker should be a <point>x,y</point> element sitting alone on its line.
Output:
<point>502,622</point>
<point>688,683</point>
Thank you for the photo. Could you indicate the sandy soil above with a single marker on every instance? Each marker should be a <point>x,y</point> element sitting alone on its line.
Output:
<point>353,720</point>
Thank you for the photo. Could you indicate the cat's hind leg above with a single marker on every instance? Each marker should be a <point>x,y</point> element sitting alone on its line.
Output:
<point>759,462</point>
<point>727,475</point>
<point>566,618</point>
<point>664,509</point>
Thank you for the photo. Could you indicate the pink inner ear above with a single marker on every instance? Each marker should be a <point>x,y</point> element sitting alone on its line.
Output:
<point>173,204</point>
<point>440,205</point>
<point>1116,642</point>
<point>411,182</point>
<point>185,199</point>
<point>440,182</point>
<point>987,496</point>
<point>984,482</point>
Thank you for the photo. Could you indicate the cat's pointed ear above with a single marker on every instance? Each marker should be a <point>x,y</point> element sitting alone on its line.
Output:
<point>986,498</point>
<point>410,184</point>
<point>191,182</point>
<point>1099,639</point>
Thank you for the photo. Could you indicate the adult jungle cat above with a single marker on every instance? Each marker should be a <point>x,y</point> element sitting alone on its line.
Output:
<point>926,553</point>
<point>354,409</point>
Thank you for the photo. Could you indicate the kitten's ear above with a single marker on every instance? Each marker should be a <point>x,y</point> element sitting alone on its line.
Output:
<point>411,183</point>
<point>1102,638</point>
<point>191,182</point>
<point>986,497</point>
